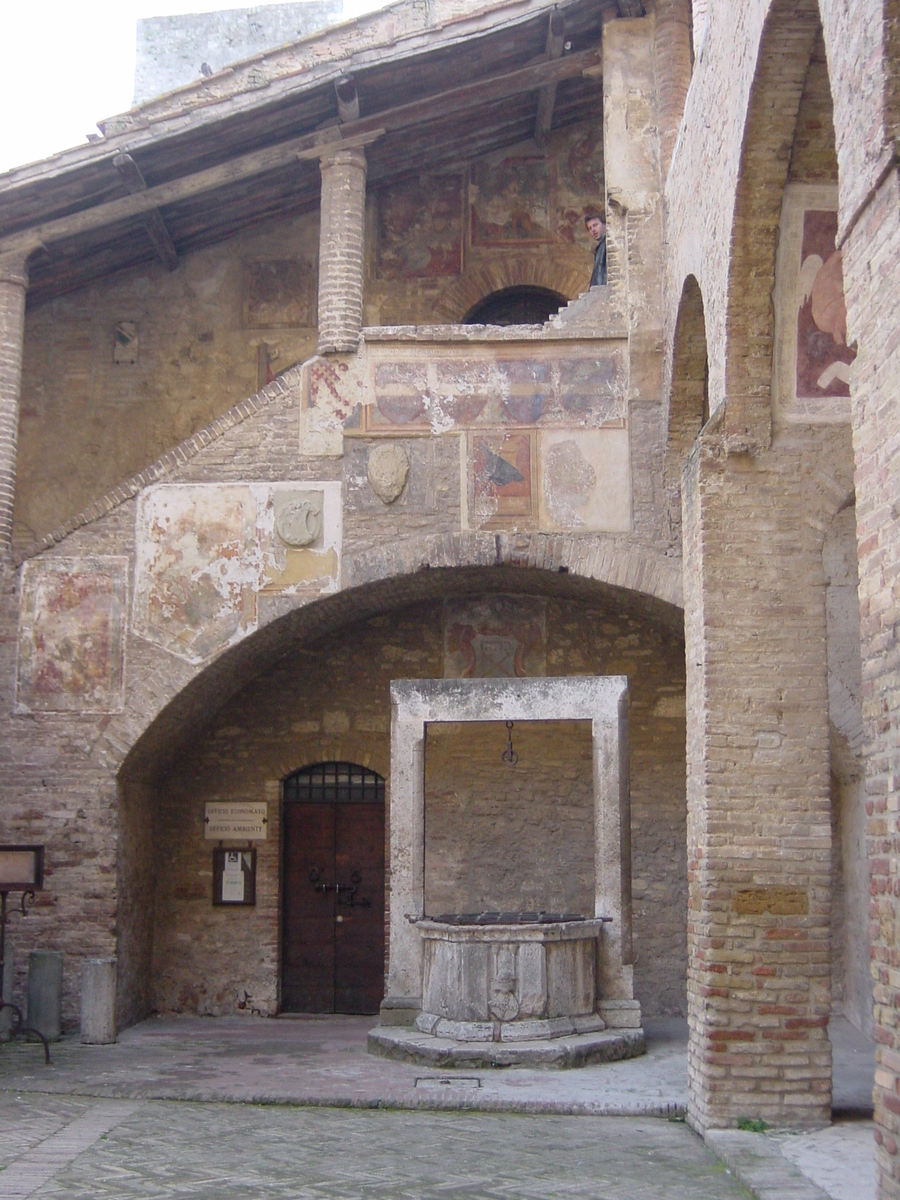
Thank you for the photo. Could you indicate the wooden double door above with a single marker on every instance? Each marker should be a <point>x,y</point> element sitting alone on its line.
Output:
<point>333,906</point>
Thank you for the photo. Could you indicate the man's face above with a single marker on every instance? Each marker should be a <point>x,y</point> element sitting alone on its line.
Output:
<point>596,228</point>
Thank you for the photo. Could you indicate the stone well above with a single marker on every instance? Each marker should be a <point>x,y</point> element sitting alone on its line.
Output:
<point>520,979</point>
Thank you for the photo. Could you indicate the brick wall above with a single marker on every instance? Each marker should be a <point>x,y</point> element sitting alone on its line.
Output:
<point>872,281</point>
<point>88,421</point>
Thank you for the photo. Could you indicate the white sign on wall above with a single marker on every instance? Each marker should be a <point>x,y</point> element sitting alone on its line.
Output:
<point>247,821</point>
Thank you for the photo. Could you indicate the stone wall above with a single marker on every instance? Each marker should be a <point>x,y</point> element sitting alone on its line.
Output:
<point>329,701</point>
<point>121,371</point>
<point>509,838</point>
<point>131,366</point>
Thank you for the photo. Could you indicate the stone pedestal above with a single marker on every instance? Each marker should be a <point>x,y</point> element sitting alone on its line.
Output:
<point>98,1001</point>
<point>45,969</point>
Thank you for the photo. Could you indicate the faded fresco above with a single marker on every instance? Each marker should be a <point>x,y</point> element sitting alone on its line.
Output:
<point>72,635</point>
<point>205,553</point>
<point>495,637</point>
<point>812,358</point>
<point>585,480</point>
<point>420,224</point>
<point>501,469</point>
<point>438,390</point>
<point>512,202</point>
<point>279,293</point>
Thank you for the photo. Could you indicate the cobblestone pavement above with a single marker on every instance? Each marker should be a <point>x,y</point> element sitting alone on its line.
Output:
<point>58,1147</point>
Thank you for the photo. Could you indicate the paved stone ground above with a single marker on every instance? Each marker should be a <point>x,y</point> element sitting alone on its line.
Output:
<point>127,1149</point>
<point>146,1118</point>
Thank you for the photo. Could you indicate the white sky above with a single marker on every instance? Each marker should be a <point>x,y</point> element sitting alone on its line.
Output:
<point>67,64</point>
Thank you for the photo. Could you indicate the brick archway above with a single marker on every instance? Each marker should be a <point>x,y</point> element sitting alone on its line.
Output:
<point>564,278</point>
<point>688,394</point>
<point>785,49</point>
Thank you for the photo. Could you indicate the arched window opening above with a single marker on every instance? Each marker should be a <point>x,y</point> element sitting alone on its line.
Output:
<point>334,783</point>
<point>523,305</point>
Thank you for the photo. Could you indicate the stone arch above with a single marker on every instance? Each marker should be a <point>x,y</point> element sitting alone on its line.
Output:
<point>232,726</point>
<point>515,271</point>
<point>784,53</point>
<point>167,703</point>
<point>688,394</point>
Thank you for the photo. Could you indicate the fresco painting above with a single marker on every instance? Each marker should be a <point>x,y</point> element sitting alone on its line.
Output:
<point>439,393</point>
<point>811,357</point>
<point>823,356</point>
<point>72,635</point>
<point>279,293</point>
<point>495,637</point>
<point>420,229</point>
<point>585,480</point>
<point>512,202</point>
<point>501,472</point>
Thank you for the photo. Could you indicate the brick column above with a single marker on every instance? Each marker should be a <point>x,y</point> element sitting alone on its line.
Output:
<point>13,286</point>
<point>672,46</point>
<point>341,240</point>
<point>759,830</point>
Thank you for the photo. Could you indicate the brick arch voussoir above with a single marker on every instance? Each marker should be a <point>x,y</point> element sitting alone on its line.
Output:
<point>169,703</point>
<point>784,53</point>
<point>515,271</point>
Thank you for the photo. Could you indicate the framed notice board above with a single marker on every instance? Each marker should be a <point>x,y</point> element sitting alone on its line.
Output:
<point>234,876</point>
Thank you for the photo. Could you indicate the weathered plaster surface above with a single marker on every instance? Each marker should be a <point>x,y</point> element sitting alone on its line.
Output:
<point>206,552</point>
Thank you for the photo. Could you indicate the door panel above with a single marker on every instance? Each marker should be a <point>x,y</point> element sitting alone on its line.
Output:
<point>359,937</point>
<point>333,939</point>
<point>308,945</point>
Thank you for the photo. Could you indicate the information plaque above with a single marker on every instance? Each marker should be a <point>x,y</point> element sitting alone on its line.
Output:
<point>238,820</point>
<point>234,876</point>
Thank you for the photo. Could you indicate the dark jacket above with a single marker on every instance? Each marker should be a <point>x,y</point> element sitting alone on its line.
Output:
<point>598,275</point>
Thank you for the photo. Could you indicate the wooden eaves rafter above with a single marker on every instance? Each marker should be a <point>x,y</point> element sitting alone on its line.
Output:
<point>350,132</point>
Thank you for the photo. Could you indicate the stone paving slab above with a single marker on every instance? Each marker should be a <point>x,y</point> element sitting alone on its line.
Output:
<point>173,1149</point>
<point>325,1062</point>
<point>840,1159</point>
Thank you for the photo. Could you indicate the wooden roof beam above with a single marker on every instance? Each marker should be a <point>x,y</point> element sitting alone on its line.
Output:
<point>556,36</point>
<point>347,99</point>
<point>130,174</point>
<point>310,146</point>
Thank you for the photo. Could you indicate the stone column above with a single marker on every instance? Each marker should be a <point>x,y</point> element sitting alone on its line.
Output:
<point>759,828</point>
<point>13,286</point>
<point>341,244</point>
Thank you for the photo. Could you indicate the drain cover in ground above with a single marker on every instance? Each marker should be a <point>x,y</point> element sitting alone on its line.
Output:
<point>463,1081</point>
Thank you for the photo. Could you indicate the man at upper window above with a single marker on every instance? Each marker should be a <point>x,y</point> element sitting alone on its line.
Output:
<point>596,227</point>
